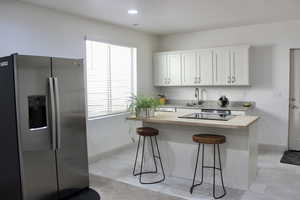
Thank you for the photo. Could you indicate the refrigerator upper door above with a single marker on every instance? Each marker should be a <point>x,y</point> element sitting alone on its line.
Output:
<point>72,162</point>
<point>34,102</point>
<point>35,129</point>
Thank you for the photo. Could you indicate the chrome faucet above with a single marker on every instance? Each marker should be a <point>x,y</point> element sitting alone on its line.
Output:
<point>197,96</point>
<point>202,94</point>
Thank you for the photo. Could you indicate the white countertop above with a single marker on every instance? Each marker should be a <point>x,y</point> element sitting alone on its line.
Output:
<point>172,118</point>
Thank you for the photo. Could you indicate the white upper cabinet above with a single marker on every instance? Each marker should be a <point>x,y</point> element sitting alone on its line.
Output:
<point>239,65</point>
<point>204,67</point>
<point>189,68</point>
<point>160,70</point>
<point>231,66</point>
<point>226,66</point>
<point>167,69</point>
<point>221,66</point>
<point>174,69</point>
<point>196,68</point>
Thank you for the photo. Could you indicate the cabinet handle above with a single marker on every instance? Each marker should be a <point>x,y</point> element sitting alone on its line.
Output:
<point>197,80</point>
<point>233,79</point>
<point>294,107</point>
<point>216,67</point>
<point>229,79</point>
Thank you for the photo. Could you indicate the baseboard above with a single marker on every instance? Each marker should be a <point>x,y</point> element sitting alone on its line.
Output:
<point>95,158</point>
<point>271,147</point>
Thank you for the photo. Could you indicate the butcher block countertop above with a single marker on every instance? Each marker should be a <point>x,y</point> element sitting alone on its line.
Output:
<point>172,119</point>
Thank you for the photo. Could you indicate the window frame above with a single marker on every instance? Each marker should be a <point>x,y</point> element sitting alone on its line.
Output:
<point>134,72</point>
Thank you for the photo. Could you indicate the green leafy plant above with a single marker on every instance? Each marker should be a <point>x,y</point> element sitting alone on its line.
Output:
<point>142,102</point>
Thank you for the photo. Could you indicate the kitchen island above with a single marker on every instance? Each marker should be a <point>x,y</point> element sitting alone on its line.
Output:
<point>239,153</point>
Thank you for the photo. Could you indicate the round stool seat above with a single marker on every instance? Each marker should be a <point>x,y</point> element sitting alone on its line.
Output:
<point>147,131</point>
<point>209,139</point>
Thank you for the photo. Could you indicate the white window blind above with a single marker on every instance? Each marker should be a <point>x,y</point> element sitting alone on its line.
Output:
<point>111,78</point>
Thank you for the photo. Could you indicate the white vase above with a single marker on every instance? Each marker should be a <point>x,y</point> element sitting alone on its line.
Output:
<point>146,113</point>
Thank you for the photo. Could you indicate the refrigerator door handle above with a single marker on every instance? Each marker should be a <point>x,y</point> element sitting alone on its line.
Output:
<point>58,126</point>
<point>53,114</point>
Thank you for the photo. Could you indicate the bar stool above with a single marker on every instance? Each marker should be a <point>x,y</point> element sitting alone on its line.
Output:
<point>215,140</point>
<point>148,132</point>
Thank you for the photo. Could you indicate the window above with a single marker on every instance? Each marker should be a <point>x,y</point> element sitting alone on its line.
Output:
<point>111,78</point>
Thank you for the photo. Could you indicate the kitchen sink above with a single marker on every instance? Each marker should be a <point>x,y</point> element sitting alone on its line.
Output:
<point>200,103</point>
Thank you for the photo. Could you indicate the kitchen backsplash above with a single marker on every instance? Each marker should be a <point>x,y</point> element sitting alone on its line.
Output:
<point>210,93</point>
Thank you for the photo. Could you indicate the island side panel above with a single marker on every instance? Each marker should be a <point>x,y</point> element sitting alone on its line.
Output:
<point>253,152</point>
<point>179,153</point>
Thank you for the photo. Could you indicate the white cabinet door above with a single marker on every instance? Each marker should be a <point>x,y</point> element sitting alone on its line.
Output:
<point>226,66</point>
<point>160,70</point>
<point>221,66</point>
<point>204,67</point>
<point>174,69</point>
<point>197,68</point>
<point>239,65</point>
<point>189,68</point>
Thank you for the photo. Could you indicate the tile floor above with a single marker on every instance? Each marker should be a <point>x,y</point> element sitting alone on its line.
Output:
<point>275,181</point>
<point>115,190</point>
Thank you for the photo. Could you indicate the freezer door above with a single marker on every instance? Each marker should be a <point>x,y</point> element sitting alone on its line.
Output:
<point>72,159</point>
<point>40,178</point>
<point>34,122</point>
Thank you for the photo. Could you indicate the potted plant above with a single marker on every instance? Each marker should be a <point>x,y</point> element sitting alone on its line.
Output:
<point>143,106</point>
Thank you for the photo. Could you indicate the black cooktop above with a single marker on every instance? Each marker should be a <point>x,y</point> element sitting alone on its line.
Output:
<point>221,115</point>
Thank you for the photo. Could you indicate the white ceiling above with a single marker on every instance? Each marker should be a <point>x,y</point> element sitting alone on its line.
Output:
<point>173,16</point>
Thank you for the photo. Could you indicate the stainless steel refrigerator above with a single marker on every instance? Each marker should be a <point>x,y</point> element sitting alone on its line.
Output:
<point>43,144</point>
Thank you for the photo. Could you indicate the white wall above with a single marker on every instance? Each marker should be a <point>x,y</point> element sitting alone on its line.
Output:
<point>31,30</point>
<point>269,71</point>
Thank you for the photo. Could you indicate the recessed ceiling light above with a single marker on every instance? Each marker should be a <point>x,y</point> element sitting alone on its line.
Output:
<point>133,12</point>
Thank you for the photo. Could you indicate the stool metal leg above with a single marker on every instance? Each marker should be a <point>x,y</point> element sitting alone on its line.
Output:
<point>136,156</point>
<point>221,170</point>
<point>211,167</point>
<point>154,157</point>
<point>202,167</point>
<point>214,186</point>
<point>142,161</point>
<point>195,172</point>
<point>161,165</point>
